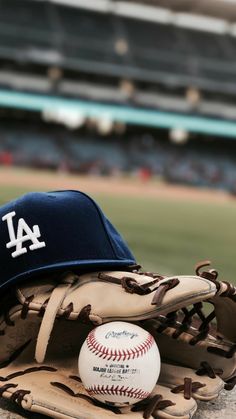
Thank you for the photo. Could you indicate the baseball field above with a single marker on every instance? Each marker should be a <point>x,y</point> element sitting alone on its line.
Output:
<point>168,228</point>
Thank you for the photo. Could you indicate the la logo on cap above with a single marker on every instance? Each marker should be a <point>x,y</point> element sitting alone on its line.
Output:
<point>24,233</point>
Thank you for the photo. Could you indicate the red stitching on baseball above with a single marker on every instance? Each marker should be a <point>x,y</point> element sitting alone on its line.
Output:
<point>117,355</point>
<point>137,393</point>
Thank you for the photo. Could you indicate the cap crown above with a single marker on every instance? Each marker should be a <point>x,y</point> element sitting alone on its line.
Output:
<point>49,231</point>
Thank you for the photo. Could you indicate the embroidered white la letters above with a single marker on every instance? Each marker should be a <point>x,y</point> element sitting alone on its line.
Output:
<point>18,239</point>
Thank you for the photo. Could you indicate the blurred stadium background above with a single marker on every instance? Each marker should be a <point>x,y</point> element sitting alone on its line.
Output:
<point>135,103</point>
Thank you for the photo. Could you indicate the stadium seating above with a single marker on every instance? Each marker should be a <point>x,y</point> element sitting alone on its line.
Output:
<point>86,40</point>
<point>41,147</point>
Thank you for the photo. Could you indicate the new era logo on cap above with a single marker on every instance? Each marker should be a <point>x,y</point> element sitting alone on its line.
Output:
<point>44,232</point>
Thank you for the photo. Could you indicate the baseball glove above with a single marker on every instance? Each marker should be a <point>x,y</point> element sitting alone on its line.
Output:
<point>44,323</point>
<point>201,336</point>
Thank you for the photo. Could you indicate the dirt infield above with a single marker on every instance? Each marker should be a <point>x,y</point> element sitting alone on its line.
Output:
<point>41,180</point>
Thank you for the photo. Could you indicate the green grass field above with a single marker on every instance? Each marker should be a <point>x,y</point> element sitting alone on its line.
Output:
<point>170,236</point>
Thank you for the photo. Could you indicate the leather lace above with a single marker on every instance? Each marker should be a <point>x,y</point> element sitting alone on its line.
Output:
<point>151,406</point>
<point>188,388</point>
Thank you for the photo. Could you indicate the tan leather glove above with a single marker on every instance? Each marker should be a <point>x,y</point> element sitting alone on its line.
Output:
<point>44,324</point>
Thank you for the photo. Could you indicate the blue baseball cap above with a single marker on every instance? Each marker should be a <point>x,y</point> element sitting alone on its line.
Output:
<point>45,232</point>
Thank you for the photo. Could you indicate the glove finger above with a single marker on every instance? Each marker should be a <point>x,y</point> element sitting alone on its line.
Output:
<point>189,383</point>
<point>183,351</point>
<point>224,303</point>
<point>165,404</point>
<point>118,295</point>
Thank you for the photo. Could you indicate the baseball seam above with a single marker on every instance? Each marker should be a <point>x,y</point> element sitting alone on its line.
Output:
<point>118,354</point>
<point>118,391</point>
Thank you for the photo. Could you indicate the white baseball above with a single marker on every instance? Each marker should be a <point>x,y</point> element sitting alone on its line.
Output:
<point>119,363</point>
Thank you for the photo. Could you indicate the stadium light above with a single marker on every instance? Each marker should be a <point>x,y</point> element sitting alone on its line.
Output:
<point>121,46</point>
<point>127,87</point>
<point>193,97</point>
<point>178,136</point>
<point>70,118</point>
<point>105,125</point>
<point>54,73</point>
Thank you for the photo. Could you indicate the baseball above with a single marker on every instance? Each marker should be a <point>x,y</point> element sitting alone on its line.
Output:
<point>119,363</point>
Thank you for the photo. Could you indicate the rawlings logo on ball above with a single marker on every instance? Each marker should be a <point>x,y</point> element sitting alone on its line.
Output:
<point>18,239</point>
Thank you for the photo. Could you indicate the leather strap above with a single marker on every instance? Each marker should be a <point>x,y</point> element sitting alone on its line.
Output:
<point>57,297</point>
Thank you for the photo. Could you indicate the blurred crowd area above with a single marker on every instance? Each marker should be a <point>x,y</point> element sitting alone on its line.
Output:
<point>144,155</point>
<point>160,74</point>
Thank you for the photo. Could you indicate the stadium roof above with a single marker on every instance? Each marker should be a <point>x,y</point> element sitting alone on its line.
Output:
<point>208,15</point>
<point>223,9</point>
